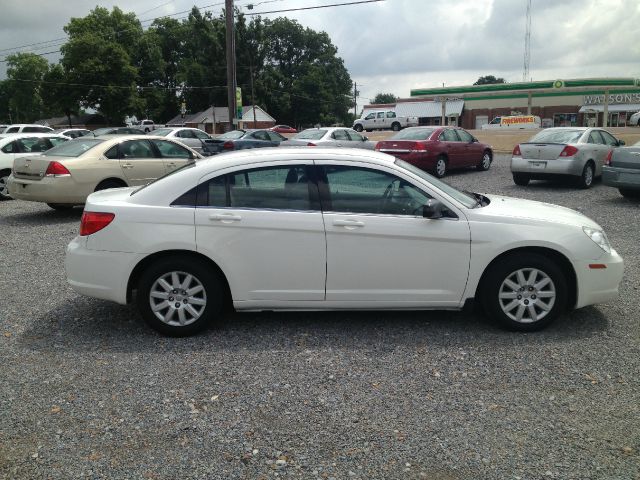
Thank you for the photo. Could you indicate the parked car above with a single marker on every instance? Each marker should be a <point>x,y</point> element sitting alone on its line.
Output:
<point>117,131</point>
<point>194,138</point>
<point>383,120</point>
<point>26,128</point>
<point>283,129</point>
<point>73,132</point>
<point>243,139</point>
<point>330,137</point>
<point>438,149</point>
<point>622,170</point>
<point>576,152</point>
<point>147,125</point>
<point>227,231</point>
<point>634,119</point>
<point>17,145</point>
<point>65,175</point>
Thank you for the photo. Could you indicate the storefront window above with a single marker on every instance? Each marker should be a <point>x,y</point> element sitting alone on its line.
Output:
<point>565,120</point>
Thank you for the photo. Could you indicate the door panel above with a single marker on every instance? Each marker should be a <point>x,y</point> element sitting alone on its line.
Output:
<point>139,163</point>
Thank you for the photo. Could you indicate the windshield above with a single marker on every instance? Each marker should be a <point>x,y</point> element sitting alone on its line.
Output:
<point>184,167</point>
<point>232,135</point>
<point>73,148</point>
<point>413,134</point>
<point>467,200</point>
<point>311,134</point>
<point>557,136</point>
<point>162,132</point>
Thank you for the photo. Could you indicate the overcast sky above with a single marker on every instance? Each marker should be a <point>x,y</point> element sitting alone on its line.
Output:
<point>396,45</point>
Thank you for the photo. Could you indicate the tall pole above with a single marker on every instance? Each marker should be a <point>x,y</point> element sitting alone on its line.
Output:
<point>253,97</point>
<point>231,61</point>
<point>355,99</point>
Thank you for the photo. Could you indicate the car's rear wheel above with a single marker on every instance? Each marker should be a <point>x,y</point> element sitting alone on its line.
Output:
<point>179,296</point>
<point>485,162</point>
<point>60,206</point>
<point>440,169</point>
<point>524,292</point>
<point>105,184</point>
<point>4,190</point>
<point>521,179</point>
<point>586,179</point>
<point>629,193</point>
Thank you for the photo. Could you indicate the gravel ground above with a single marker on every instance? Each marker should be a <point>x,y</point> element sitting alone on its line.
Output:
<point>87,390</point>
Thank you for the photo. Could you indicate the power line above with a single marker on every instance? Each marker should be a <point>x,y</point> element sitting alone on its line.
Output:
<point>314,8</point>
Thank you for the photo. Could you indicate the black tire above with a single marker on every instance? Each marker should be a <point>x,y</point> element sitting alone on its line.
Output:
<point>521,179</point>
<point>629,193</point>
<point>60,206</point>
<point>109,184</point>
<point>485,161</point>
<point>506,310</point>
<point>358,128</point>
<point>440,168</point>
<point>588,173</point>
<point>395,126</point>
<point>4,176</point>
<point>212,295</point>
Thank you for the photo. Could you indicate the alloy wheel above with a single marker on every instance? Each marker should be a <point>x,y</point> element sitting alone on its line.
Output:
<point>177,298</point>
<point>527,295</point>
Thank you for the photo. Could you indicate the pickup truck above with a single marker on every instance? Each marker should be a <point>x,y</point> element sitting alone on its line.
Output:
<point>382,120</point>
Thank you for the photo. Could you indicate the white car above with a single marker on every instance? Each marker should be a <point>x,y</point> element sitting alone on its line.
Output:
<point>26,128</point>
<point>18,145</point>
<point>343,229</point>
<point>634,119</point>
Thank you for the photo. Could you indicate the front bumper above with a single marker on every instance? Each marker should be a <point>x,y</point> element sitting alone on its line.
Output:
<point>542,168</point>
<point>98,273</point>
<point>599,285</point>
<point>621,177</point>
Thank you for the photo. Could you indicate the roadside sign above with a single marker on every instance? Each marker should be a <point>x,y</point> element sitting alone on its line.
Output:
<point>239,102</point>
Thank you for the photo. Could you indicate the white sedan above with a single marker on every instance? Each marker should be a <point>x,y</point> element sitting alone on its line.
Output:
<point>315,229</point>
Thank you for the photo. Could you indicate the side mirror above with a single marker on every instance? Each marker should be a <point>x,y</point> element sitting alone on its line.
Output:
<point>621,142</point>
<point>433,209</point>
<point>365,138</point>
<point>474,140</point>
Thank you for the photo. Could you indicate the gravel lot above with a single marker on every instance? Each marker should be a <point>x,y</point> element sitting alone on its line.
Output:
<point>87,390</point>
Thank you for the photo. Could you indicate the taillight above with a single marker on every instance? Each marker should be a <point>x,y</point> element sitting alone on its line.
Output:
<point>310,144</point>
<point>93,222</point>
<point>516,151</point>
<point>56,168</point>
<point>419,147</point>
<point>607,161</point>
<point>568,151</point>
<point>228,145</point>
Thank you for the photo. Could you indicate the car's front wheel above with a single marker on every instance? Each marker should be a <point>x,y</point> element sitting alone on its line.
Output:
<point>358,128</point>
<point>524,292</point>
<point>4,190</point>
<point>179,296</point>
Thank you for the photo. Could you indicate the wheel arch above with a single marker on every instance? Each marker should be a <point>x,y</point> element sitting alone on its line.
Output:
<point>561,260</point>
<point>118,180</point>
<point>150,259</point>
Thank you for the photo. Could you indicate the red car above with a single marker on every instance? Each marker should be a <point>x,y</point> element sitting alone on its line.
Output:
<point>283,129</point>
<point>438,149</point>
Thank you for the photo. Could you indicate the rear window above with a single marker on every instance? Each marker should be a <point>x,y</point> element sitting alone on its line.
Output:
<point>232,135</point>
<point>102,131</point>
<point>413,134</point>
<point>73,148</point>
<point>162,132</point>
<point>311,134</point>
<point>557,136</point>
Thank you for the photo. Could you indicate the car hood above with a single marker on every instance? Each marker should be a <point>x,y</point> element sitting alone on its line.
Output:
<point>517,210</point>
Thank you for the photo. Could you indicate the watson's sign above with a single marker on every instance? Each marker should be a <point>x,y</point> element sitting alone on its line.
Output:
<point>613,98</point>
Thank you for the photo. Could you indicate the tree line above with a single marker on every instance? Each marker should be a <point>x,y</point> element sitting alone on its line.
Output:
<point>111,64</point>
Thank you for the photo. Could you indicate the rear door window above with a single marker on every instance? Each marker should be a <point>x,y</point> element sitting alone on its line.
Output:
<point>171,150</point>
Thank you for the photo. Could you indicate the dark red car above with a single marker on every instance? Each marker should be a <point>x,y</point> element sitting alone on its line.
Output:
<point>283,129</point>
<point>438,149</point>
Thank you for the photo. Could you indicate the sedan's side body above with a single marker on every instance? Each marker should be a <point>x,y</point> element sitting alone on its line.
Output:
<point>331,137</point>
<point>622,170</point>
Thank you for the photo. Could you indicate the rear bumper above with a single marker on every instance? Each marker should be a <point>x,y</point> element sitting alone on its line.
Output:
<point>60,189</point>
<point>599,285</point>
<point>543,168</point>
<point>99,274</point>
<point>621,177</point>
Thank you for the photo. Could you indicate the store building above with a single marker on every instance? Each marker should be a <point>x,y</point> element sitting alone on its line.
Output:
<point>575,102</point>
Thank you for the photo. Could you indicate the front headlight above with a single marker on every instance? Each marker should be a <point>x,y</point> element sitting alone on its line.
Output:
<point>598,237</point>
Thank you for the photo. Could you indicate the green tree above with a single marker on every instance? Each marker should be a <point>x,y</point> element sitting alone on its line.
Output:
<point>57,95</point>
<point>25,72</point>
<point>488,79</point>
<point>384,98</point>
<point>99,58</point>
<point>5,116</point>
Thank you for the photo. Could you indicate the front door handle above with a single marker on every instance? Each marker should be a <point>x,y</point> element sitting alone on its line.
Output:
<point>225,217</point>
<point>348,223</point>
<point>127,165</point>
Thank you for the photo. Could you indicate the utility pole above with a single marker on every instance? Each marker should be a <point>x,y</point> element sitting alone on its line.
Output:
<point>231,60</point>
<point>355,99</point>
<point>253,97</point>
<point>527,44</point>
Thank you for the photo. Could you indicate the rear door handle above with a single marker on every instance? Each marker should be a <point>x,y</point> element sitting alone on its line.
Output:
<point>348,223</point>
<point>225,217</point>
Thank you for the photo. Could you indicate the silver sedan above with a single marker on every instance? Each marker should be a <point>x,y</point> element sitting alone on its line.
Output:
<point>577,152</point>
<point>331,137</point>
